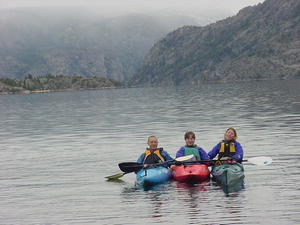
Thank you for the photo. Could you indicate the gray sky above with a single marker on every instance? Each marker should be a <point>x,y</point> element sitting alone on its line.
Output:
<point>136,5</point>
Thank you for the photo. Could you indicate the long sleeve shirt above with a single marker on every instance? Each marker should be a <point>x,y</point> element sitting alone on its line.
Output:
<point>202,153</point>
<point>238,156</point>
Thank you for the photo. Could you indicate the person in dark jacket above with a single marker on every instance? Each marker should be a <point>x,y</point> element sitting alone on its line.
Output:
<point>228,148</point>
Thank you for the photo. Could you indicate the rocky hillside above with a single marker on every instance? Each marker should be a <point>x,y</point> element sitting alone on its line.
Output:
<point>260,42</point>
<point>74,42</point>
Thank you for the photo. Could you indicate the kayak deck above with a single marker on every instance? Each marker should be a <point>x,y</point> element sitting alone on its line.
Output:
<point>153,176</point>
<point>190,173</point>
<point>228,174</point>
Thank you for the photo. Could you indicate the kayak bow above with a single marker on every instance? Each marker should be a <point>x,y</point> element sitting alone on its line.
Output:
<point>153,176</point>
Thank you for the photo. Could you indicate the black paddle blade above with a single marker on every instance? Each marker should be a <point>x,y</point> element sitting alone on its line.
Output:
<point>129,167</point>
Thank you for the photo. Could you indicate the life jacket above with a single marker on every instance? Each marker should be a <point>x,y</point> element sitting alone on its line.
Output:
<point>154,156</point>
<point>192,150</point>
<point>227,149</point>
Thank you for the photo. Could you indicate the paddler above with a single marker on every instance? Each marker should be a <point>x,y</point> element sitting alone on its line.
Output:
<point>229,148</point>
<point>191,148</point>
<point>153,154</point>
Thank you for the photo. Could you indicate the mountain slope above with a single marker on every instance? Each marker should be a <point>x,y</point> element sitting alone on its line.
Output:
<point>260,42</point>
<point>73,43</point>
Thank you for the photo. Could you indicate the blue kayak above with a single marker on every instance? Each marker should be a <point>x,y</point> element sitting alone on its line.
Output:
<point>153,176</point>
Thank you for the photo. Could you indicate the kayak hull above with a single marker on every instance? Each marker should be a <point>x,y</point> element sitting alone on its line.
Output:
<point>190,173</point>
<point>228,174</point>
<point>153,176</point>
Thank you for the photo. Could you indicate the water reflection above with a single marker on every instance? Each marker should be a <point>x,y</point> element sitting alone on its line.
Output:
<point>192,187</point>
<point>155,197</point>
<point>193,199</point>
<point>231,211</point>
<point>233,188</point>
<point>156,203</point>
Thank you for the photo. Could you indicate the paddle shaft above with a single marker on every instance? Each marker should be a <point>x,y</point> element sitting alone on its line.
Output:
<point>129,167</point>
<point>134,167</point>
<point>261,160</point>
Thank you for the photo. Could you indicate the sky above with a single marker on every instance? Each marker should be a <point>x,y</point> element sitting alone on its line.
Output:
<point>136,5</point>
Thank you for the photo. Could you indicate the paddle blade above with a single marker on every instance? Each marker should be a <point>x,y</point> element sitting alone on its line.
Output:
<point>186,158</point>
<point>261,160</point>
<point>129,167</point>
<point>115,176</point>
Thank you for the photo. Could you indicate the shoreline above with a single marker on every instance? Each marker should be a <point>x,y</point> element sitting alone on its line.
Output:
<point>58,90</point>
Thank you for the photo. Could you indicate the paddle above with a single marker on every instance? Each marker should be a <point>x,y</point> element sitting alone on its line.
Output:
<point>260,160</point>
<point>115,176</point>
<point>129,167</point>
<point>126,167</point>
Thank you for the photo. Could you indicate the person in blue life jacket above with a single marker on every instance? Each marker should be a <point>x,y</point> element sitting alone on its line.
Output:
<point>153,154</point>
<point>228,148</point>
<point>191,148</point>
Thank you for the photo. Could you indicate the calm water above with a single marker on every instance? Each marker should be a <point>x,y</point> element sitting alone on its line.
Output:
<point>56,149</point>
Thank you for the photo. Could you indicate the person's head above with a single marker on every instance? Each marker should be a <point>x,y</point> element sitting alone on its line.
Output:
<point>189,138</point>
<point>230,134</point>
<point>152,142</point>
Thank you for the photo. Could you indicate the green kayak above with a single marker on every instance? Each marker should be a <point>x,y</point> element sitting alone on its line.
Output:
<point>228,174</point>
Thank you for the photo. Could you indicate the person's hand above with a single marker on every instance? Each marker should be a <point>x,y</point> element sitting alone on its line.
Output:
<point>228,160</point>
<point>231,161</point>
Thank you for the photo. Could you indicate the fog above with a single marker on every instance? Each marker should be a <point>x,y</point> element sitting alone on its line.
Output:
<point>185,6</point>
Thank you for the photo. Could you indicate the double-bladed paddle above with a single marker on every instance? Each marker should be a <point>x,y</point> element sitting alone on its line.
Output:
<point>129,167</point>
<point>259,160</point>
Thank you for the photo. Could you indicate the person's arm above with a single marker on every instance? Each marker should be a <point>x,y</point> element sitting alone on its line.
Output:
<point>180,152</point>
<point>203,154</point>
<point>239,153</point>
<point>166,156</point>
<point>141,158</point>
<point>212,154</point>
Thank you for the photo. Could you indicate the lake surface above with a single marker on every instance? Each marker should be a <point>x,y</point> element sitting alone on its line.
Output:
<point>56,149</point>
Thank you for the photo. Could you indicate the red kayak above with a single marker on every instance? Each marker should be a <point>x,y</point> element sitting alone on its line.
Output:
<point>190,173</point>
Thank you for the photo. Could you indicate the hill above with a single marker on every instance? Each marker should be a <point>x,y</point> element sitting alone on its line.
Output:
<point>260,42</point>
<point>75,42</point>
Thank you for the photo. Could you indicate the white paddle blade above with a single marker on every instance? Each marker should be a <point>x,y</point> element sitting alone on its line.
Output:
<point>260,160</point>
<point>186,158</point>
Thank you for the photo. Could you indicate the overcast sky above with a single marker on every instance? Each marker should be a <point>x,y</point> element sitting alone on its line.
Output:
<point>135,5</point>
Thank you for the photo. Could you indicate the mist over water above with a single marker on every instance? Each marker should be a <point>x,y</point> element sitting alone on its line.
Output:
<point>56,149</point>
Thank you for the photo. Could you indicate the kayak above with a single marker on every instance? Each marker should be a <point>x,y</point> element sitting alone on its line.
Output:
<point>228,174</point>
<point>190,173</point>
<point>153,176</point>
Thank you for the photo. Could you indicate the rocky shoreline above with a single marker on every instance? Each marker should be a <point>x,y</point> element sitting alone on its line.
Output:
<point>51,83</point>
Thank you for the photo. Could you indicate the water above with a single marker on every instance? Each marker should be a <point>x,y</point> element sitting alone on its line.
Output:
<point>56,149</point>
